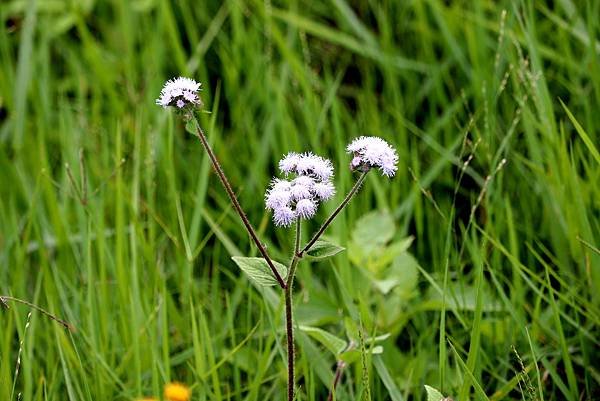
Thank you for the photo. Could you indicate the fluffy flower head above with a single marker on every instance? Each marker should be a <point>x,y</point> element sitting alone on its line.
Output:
<point>277,198</point>
<point>307,164</point>
<point>324,190</point>
<point>300,192</point>
<point>180,92</point>
<point>289,162</point>
<point>306,208</point>
<point>372,151</point>
<point>284,216</point>
<point>299,197</point>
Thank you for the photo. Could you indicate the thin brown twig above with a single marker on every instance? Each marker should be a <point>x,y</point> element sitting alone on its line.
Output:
<point>65,324</point>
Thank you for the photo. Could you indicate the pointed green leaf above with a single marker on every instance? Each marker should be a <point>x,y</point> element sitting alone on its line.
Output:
<point>190,126</point>
<point>433,394</point>
<point>584,136</point>
<point>374,228</point>
<point>387,379</point>
<point>323,249</point>
<point>370,234</point>
<point>259,271</point>
<point>333,343</point>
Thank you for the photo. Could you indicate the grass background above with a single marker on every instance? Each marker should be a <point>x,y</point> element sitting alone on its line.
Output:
<point>498,184</point>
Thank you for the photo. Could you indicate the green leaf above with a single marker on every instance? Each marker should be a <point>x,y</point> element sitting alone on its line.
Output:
<point>373,229</point>
<point>333,343</point>
<point>584,136</point>
<point>433,394</point>
<point>190,127</point>
<point>259,271</point>
<point>387,284</point>
<point>324,249</point>
<point>460,297</point>
<point>353,355</point>
<point>405,269</point>
<point>386,378</point>
<point>377,257</point>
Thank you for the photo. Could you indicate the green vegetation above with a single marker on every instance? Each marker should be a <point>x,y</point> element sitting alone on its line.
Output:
<point>474,271</point>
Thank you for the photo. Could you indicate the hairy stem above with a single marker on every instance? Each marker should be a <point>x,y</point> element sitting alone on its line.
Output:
<point>346,200</point>
<point>289,322</point>
<point>235,202</point>
<point>338,375</point>
<point>65,324</point>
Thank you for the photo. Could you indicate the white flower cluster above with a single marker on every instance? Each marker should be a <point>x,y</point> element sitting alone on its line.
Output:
<point>179,92</point>
<point>372,151</point>
<point>299,197</point>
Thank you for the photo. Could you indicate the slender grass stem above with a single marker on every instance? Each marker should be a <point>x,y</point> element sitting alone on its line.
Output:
<point>65,324</point>
<point>289,322</point>
<point>235,202</point>
<point>346,200</point>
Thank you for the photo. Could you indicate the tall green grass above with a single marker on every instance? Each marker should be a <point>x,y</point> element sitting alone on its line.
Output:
<point>111,218</point>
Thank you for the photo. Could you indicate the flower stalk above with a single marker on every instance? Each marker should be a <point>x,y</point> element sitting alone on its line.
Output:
<point>298,255</point>
<point>337,210</point>
<point>235,202</point>
<point>289,321</point>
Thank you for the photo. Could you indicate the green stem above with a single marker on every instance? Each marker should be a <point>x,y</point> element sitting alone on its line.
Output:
<point>289,323</point>
<point>235,202</point>
<point>346,200</point>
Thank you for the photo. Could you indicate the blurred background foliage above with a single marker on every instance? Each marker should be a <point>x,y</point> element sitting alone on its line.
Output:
<point>475,270</point>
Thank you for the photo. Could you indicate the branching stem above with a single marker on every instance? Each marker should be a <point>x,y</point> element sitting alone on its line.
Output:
<point>346,200</point>
<point>287,286</point>
<point>235,202</point>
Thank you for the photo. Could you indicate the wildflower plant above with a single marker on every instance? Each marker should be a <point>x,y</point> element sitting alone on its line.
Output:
<point>306,182</point>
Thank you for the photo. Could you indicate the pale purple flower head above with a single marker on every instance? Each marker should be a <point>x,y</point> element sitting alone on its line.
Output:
<point>372,151</point>
<point>180,92</point>
<point>279,195</point>
<point>299,197</point>
<point>307,164</point>
<point>324,190</point>
<point>284,216</point>
<point>306,208</point>
<point>300,191</point>
<point>289,162</point>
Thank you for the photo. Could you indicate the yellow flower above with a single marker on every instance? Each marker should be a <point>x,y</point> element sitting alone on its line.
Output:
<point>177,392</point>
